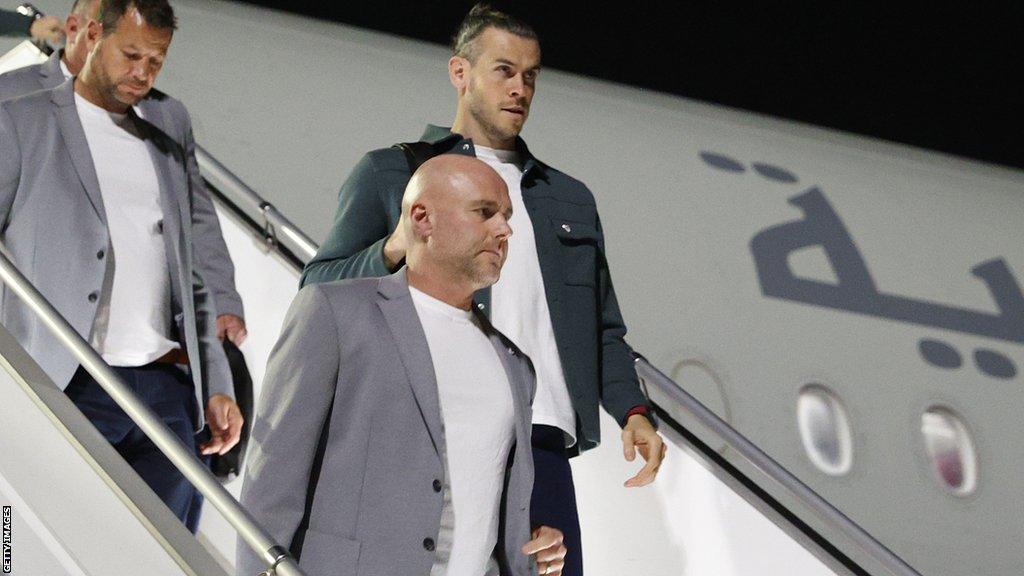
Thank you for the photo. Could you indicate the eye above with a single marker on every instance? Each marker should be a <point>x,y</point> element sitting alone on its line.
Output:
<point>132,56</point>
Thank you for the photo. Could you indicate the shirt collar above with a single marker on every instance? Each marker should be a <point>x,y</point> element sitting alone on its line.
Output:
<point>443,138</point>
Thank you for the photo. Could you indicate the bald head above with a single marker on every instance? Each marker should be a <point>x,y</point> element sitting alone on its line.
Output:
<point>455,215</point>
<point>75,27</point>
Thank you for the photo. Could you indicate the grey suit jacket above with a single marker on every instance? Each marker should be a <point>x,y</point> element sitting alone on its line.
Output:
<point>352,368</point>
<point>173,119</point>
<point>53,222</point>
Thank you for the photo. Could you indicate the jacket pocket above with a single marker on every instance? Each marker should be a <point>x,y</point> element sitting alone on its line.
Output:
<point>577,251</point>
<point>329,555</point>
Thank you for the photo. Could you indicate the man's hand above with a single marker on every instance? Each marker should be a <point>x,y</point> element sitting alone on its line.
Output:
<point>640,435</point>
<point>225,422</point>
<point>48,28</point>
<point>231,327</point>
<point>396,245</point>
<point>547,547</point>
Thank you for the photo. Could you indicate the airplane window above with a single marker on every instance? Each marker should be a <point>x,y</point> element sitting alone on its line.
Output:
<point>951,451</point>
<point>825,430</point>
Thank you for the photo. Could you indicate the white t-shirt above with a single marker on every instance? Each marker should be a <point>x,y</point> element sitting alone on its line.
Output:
<point>519,305</point>
<point>132,325</point>
<point>479,428</point>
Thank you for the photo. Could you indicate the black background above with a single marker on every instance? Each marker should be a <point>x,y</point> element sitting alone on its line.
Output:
<point>944,78</point>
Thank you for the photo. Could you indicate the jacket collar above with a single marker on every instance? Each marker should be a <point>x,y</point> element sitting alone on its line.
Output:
<point>51,68</point>
<point>443,139</point>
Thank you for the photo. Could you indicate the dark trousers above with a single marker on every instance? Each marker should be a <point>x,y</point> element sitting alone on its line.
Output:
<point>554,495</point>
<point>169,393</point>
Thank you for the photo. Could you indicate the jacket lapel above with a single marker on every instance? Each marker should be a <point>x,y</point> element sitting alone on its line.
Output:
<point>520,394</point>
<point>413,351</point>
<point>77,145</point>
<point>50,73</point>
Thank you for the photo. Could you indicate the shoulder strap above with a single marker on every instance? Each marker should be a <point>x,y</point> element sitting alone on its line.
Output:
<point>416,153</point>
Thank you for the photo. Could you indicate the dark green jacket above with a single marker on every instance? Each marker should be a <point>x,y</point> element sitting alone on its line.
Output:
<point>588,326</point>
<point>14,24</point>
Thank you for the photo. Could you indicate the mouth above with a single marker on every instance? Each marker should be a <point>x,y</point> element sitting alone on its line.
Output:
<point>517,110</point>
<point>137,90</point>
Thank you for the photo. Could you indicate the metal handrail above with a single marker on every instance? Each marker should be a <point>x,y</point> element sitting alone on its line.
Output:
<point>274,223</point>
<point>772,469</point>
<point>276,557</point>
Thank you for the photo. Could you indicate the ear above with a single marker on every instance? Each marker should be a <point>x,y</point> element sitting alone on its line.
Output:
<point>458,70</point>
<point>71,26</point>
<point>93,34</point>
<point>419,219</point>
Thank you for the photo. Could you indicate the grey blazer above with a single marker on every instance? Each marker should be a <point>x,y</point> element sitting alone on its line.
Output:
<point>53,223</point>
<point>352,368</point>
<point>173,119</point>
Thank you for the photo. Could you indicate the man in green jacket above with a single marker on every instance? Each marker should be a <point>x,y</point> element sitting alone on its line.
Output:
<point>554,299</point>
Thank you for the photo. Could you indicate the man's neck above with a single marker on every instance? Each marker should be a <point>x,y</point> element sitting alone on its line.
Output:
<point>447,292</point>
<point>71,66</point>
<point>479,136</point>
<point>85,90</point>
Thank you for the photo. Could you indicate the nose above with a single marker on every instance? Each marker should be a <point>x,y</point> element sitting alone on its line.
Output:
<point>516,84</point>
<point>504,229</point>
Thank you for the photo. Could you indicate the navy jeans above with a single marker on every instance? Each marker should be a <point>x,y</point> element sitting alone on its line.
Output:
<point>167,391</point>
<point>554,495</point>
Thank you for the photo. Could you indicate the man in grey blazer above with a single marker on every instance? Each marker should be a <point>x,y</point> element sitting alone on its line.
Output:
<point>392,436</point>
<point>96,210</point>
<point>168,114</point>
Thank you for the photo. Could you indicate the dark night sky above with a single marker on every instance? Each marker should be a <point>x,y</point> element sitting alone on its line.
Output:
<point>936,77</point>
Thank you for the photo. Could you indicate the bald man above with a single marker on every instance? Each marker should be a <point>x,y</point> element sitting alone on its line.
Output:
<point>392,436</point>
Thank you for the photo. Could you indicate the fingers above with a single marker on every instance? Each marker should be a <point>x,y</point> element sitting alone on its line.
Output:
<point>238,336</point>
<point>544,537</point>
<point>234,431</point>
<point>225,422</point>
<point>548,550</point>
<point>213,446</point>
<point>653,450</point>
<point>231,327</point>
<point>628,445</point>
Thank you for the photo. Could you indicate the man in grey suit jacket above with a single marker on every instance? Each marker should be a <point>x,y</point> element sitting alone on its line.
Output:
<point>392,436</point>
<point>170,116</point>
<point>96,210</point>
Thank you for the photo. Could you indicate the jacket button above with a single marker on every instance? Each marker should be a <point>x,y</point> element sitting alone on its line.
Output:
<point>480,305</point>
<point>100,255</point>
<point>93,297</point>
<point>437,485</point>
<point>428,544</point>
<point>566,227</point>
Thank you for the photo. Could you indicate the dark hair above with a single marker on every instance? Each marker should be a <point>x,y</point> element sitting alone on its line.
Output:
<point>480,18</point>
<point>156,13</point>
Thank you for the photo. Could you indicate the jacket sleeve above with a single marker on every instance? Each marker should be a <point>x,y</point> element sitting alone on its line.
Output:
<point>354,247</point>
<point>298,391</point>
<point>216,372</point>
<point>14,24</point>
<point>620,387</point>
<point>212,257</point>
